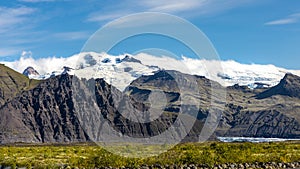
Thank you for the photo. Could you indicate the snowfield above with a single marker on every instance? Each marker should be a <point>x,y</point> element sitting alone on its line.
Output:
<point>123,69</point>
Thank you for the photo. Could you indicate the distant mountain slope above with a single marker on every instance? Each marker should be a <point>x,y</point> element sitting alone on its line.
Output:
<point>288,86</point>
<point>30,71</point>
<point>243,115</point>
<point>13,83</point>
<point>273,112</point>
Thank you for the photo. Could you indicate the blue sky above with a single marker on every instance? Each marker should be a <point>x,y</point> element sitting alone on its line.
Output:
<point>247,31</point>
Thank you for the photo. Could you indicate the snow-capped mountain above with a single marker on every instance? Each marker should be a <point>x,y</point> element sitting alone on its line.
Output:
<point>226,73</point>
<point>31,72</point>
<point>123,69</point>
<point>119,71</point>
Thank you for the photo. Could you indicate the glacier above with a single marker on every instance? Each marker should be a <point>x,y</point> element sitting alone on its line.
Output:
<point>122,69</point>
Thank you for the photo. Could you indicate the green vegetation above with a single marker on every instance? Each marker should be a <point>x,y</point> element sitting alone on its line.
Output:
<point>89,156</point>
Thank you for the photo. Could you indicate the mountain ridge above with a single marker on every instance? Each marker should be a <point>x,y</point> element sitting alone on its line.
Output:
<point>12,83</point>
<point>288,86</point>
<point>47,111</point>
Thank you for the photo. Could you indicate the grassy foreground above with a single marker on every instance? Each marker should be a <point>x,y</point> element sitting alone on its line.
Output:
<point>90,156</point>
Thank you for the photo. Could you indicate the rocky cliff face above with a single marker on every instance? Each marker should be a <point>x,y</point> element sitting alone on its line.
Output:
<point>288,86</point>
<point>244,114</point>
<point>66,109</point>
<point>269,123</point>
<point>43,114</point>
<point>51,113</point>
<point>272,112</point>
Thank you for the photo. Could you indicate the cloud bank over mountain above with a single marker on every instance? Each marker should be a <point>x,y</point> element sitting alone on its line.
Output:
<point>225,72</point>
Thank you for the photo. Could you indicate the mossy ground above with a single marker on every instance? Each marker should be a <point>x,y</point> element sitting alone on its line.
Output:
<point>90,155</point>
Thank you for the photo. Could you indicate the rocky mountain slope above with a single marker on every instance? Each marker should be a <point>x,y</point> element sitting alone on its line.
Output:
<point>43,114</point>
<point>66,109</point>
<point>288,86</point>
<point>13,83</point>
<point>244,115</point>
<point>50,113</point>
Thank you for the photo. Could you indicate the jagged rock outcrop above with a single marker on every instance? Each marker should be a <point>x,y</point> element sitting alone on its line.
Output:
<point>43,114</point>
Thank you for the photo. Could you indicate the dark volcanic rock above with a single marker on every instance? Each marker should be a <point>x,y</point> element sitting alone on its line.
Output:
<point>130,59</point>
<point>265,123</point>
<point>44,114</point>
<point>288,86</point>
<point>117,108</point>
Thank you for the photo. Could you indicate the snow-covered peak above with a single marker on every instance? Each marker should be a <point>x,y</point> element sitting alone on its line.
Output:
<point>33,74</point>
<point>30,71</point>
<point>227,73</point>
<point>121,70</point>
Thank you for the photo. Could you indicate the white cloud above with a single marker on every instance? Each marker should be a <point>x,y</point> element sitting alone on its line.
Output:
<point>36,1</point>
<point>8,51</point>
<point>77,35</point>
<point>184,8</point>
<point>242,74</point>
<point>42,65</point>
<point>12,17</point>
<point>212,69</point>
<point>97,17</point>
<point>173,6</point>
<point>13,23</point>
<point>136,21</point>
<point>282,21</point>
<point>294,18</point>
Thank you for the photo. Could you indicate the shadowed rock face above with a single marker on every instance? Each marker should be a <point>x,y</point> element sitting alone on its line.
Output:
<point>244,114</point>
<point>66,109</point>
<point>49,113</point>
<point>272,112</point>
<point>43,114</point>
<point>269,123</point>
<point>288,86</point>
<point>116,106</point>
